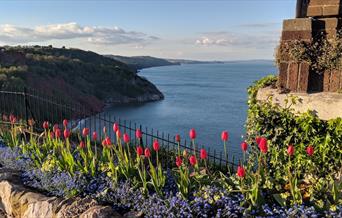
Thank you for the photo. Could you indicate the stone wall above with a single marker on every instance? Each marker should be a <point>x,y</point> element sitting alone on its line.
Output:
<point>19,201</point>
<point>316,18</point>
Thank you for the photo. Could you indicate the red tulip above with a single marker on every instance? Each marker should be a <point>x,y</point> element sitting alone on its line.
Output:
<point>203,154</point>
<point>310,150</point>
<point>147,152</point>
<point>52,135</point>
<point>126,138</point>
<point>4,118</point>
<point>138,133</point>
<point>290,150</point>
<point>85,132</point>
<point>193,160</point>
<point>192,134</point>
<point>94,136</point>
<point>82,144</point>
<point>58,133</point>
<point>263,145</point>
<point>115,127</point>
<point>55,127</point>
<point>12,119</point>
<point>65,123</point>
<point>104,130</point>
<point>225,136</point>
<point>179,161</point>
<point>156,145</point>
<point>66,133</point>
<point>244,146</point>
<point>257,139</point>
<point>178,138</point>
<point>108,141</point>
<point>241,171</point>
<point>140,151</point>
<point>118,134</point>
<point>45,124</point>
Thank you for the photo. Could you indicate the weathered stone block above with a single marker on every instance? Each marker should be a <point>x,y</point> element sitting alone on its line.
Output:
<point>296,35</point>
<point>323,2</point>
<point>331,10</point>
<point>292,80</point>
<point>299,24</point>
<point>335,81</point>
<point>332,81</point>
<point>315,11</point>
<point>282,81</point>
<point>303,77</point>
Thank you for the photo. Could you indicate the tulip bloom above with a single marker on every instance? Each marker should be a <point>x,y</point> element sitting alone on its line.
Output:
<point>138,134</point>
<point>45,124</point>
<point>94,136</point>
<point>85,132</point>
<point>55,127</point>
<point>204,154</point>
<point>156,145</point>
<point>66,133</point>
<point>179,161</point>
<point>65,123</point>
<point>310,150</point>
<point>4,118</point>
<point>241,172</point>
<point>52,135</point>
<point>193,160</point>
<point>126,138</point>
<point>258,139</point>
<point>147,152</point>
<point>118,134</point>
<point>108,141</point>
<point>12,119</point>
<point>224,136</point>
<point>290,150</point>
<point>192,134</point>
<point>140,151</point>
<point>177,138</point>
<point>104,130</point>
<point>244,146</point>
<point>115,127</point>
<point>58,133</point>
<point>263,145</point>
<point>82,144</point>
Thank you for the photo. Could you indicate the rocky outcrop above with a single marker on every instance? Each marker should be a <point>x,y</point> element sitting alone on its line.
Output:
<point>19,201</point>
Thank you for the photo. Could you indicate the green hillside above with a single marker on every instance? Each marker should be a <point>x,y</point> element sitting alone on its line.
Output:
<point>82,76</point>
<point>140,62</point>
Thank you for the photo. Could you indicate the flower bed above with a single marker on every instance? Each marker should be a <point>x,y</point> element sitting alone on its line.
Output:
<point>130,177</point>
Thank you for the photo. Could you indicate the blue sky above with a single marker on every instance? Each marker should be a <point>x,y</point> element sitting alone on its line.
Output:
<point>190,29</point>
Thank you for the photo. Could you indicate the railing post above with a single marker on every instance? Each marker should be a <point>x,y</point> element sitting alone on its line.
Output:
<point>26,105</point>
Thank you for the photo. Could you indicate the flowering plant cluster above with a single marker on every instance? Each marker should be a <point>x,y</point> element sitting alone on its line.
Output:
<point>131,176</point>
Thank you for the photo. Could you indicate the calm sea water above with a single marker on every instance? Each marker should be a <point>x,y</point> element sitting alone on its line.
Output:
<point>207,97</point>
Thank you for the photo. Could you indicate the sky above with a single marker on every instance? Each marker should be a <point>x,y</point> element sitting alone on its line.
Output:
<point>183,29</point>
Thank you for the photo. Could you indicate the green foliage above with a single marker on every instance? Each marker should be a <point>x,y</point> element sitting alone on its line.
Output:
<point>322,54</point>
<point>71,74</point>
<point>282,127</point>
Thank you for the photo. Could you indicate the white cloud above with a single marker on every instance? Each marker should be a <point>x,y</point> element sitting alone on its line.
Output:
<point>241,40</point>
<point>92,34</point>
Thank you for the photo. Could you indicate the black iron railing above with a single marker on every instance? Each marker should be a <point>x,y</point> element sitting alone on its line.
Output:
<point>27,103</point>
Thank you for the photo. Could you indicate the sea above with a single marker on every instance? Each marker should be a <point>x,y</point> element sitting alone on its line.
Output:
<point>210,98</point>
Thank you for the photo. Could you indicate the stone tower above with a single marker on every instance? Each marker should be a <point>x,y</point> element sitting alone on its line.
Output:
<point>313,18</point>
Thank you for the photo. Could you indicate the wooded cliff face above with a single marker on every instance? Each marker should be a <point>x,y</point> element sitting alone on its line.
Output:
<point>81,76</point>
